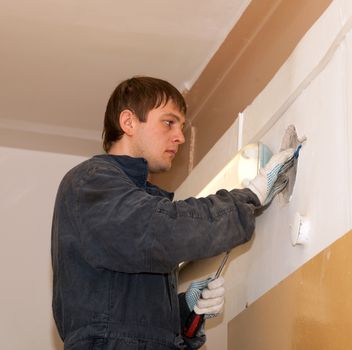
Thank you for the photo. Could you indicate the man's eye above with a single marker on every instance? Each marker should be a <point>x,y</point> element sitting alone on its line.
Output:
<point>168,122</point>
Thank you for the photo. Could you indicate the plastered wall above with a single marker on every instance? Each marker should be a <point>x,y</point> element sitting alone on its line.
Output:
<point>313,91</point>
<point>28,186</point>
<point>257,46</point>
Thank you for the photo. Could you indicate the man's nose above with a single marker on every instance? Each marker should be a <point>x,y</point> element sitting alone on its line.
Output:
<point>179,137</point>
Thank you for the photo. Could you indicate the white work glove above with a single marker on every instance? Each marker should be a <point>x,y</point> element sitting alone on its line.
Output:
<point>206,297</point>
<point>211,301</point>
<point>264,181</point>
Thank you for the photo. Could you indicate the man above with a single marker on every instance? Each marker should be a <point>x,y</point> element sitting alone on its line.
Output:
<point>117,239</point>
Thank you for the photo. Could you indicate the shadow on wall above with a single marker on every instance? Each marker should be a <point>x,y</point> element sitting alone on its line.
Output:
<point>200,269</point>
<point>214,322</point>
<point>56,340</point>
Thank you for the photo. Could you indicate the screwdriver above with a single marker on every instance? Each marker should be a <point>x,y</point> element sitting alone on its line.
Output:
<point>194,321</point>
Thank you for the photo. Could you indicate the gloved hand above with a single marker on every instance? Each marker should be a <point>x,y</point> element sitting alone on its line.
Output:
<point>212,300</point>
<point>264,181</point>
<point>206,297</point>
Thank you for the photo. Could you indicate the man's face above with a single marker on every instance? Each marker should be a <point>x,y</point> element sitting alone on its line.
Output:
<point>157,139</point>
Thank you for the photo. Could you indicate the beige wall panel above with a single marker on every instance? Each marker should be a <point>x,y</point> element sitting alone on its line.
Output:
<point>37,141</point>
<point>311,309</point>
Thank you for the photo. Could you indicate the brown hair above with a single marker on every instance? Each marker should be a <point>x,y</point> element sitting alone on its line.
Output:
<point>140,95</point>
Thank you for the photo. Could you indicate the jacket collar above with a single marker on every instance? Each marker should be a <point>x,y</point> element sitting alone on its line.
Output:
<point>137,170</point>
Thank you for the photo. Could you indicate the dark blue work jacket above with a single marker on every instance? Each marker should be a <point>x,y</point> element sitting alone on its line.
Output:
<point>117,241</point>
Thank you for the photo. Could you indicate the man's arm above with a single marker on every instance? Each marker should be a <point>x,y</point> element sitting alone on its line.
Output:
<point>124,228</point>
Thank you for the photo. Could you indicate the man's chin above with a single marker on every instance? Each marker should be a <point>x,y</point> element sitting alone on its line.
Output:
<point>160,168</point>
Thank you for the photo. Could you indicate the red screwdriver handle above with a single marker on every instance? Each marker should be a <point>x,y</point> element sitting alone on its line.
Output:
<point>193,323</point>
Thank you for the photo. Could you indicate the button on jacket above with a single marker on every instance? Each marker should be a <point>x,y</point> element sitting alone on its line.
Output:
<point>117,241</point>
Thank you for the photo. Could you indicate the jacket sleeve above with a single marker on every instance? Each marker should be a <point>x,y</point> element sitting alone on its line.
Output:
<point>125,229</point>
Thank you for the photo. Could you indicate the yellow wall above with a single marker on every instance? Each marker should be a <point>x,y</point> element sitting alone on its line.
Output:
<point>311,309</point>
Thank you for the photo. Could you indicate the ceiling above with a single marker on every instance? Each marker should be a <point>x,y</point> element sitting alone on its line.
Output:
<point>60,60</point>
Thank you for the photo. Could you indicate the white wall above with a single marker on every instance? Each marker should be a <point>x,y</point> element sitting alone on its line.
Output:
<point>313,91</point>
<point>28,184</point>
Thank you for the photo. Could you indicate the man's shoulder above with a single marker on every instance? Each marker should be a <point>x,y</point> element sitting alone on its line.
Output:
<point>90,167</point>
<point>97,161</point>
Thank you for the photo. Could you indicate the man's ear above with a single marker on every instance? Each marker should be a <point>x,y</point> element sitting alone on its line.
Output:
<point>127,121</point>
